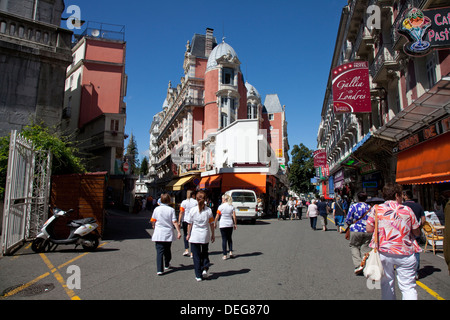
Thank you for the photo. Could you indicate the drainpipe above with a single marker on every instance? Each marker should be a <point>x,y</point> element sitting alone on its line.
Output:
<point>36,2</point>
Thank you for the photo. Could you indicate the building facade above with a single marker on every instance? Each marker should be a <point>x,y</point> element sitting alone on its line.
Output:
<point>214,132</point>
<point>404,137</point>
<point>34,55</point>
<point>94,111</point>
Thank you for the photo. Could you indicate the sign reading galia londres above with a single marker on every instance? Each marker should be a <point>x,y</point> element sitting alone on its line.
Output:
<point>351,88</point>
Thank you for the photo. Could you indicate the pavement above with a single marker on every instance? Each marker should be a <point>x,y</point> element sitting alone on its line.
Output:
<point>276,260</point>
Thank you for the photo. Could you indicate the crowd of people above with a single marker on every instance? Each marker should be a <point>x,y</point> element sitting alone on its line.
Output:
<point>398,216</point>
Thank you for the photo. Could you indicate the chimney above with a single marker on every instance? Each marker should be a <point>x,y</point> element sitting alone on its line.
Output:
<point>208,41</point>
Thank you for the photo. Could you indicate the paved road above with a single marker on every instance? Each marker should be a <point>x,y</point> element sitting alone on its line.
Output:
<point>275,260</point>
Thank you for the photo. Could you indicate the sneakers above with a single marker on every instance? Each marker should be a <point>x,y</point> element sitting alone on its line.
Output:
<point>205,273</point>
<point>199,279</point>
<point>359,270</point>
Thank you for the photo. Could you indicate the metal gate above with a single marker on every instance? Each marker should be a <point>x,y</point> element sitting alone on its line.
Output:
<point>26,192</point>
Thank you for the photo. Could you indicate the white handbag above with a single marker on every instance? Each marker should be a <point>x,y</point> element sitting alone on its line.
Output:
<point>373,269</point>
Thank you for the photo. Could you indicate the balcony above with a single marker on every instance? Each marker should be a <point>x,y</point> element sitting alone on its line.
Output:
<point>43,38</point>
<point>384,60</point>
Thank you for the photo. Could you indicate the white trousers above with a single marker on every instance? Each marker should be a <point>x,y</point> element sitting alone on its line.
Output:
<point>405,266</point>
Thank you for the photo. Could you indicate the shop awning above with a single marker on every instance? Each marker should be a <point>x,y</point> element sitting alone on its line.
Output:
<point>252,181</point>
<point>181,182</point>
<point>429,107</point>
<point>428,162</point>
<point>210,182</point>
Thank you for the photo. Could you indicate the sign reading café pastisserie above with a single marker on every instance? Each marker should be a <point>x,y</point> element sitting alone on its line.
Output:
<point>351,88</point>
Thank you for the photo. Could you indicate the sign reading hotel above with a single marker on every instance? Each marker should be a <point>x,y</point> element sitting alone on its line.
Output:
<point>351,88</point>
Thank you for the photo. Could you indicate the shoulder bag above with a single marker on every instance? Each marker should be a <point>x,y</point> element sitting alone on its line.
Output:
<point>347,231</point>
<point>373,269</point>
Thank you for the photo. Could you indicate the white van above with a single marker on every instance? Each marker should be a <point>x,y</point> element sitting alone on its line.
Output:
<point>244,203</point>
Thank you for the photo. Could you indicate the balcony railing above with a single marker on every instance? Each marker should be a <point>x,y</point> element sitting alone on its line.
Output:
<point>26,32</point>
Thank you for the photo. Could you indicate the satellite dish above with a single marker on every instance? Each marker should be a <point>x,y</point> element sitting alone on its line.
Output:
<point>95,33</point>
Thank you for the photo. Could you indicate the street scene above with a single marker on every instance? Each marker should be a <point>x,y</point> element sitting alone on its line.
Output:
<point>274,260</point>
<point>228,160</point>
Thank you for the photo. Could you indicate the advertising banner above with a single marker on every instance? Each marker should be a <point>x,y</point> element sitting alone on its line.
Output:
<point>351,88</point>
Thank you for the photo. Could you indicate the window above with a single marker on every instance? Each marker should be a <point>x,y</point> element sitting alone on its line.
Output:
<point>223,120</point>
<point>271,117</point>
<point>114,125</point>
<point>431,70</point>
<point>227,76</point>
<point>252,111</point>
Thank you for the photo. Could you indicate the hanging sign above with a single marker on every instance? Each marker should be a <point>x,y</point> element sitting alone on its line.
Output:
<point>351,88</point>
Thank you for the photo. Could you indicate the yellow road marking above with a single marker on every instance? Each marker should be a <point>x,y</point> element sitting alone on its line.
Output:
<point>59,277</point>
<point>53,270</point>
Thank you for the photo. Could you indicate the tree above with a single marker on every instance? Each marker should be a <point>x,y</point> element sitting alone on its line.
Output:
<point>132,155</point>
<point>144,166</point>
<point>64,160</point>
<point>301,169</point>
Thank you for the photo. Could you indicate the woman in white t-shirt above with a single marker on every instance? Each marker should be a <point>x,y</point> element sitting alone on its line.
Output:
<point>200,231</point>
<point>312,214</point>
<point>163,221</point>
<point>185,209</point>
<point>228,222</point>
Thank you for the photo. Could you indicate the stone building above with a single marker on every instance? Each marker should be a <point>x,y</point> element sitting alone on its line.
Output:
<point>34,55</point>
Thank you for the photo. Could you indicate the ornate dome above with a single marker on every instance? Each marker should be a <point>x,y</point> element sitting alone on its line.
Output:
<point>223,49</point>
<point>251,91</point>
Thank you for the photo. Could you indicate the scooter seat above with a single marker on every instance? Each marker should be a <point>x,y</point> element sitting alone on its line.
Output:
<point>80,222</point>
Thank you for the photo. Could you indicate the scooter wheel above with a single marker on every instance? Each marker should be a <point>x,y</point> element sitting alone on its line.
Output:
<point>91,242</point>
<point>38,245</point>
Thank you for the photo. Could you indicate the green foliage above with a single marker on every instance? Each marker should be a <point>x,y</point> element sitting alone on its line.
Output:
<point>64,153</point>
<point>64,159</point>
<point>144,166</point>
<point>301,169</point>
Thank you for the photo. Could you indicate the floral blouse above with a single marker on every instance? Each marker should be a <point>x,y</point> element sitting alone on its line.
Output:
<point>355,212</point>
<point>395,223</point>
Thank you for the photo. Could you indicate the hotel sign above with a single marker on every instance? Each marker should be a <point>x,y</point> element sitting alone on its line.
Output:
<point>351,88</point>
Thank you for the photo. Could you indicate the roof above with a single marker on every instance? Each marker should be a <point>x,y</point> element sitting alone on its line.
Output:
<point>272,104</point>
<point>219,51</point>
<point>198,45</point>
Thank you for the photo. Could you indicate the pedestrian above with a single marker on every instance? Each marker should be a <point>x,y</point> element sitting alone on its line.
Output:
<point>322,207</point>
<point>447,235</point>
<point>228,222</point>
<point>359,237</point>
<point>420,216</point>
<point>163,221</point>
<point>397,229</point>
<point>299,209</point>
<point>185,208</point>
<point>200,231</point>
<point>338,213</point>
<point>312,214</point>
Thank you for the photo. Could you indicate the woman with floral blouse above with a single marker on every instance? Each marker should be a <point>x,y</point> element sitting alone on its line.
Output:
<point>397,229</point>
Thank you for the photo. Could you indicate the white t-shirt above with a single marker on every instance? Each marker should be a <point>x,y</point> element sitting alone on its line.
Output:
<point>225,211</point>
<point>187,205</point>
<point>163,216</point>
<point>312,210</point>
<point>200,221</point>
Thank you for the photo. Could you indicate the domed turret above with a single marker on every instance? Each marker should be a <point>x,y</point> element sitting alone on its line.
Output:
<point>222,50</point>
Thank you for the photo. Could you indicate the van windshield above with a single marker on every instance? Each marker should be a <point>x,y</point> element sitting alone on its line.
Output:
<point>243,197</point>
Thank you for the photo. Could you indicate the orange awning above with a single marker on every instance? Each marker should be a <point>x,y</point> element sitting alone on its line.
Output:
<point>210,182</point>
<point>252,181</point>
<point>428,162</point>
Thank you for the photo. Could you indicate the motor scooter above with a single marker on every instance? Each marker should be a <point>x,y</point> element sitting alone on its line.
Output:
<point>82,231</point>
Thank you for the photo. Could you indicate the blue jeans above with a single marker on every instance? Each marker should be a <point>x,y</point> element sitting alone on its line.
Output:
<point>313,222</point>
<point>200,256</point>
<point>163,255</point>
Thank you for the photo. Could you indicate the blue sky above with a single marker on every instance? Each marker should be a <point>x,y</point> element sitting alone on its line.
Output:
<point>285,47</point>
